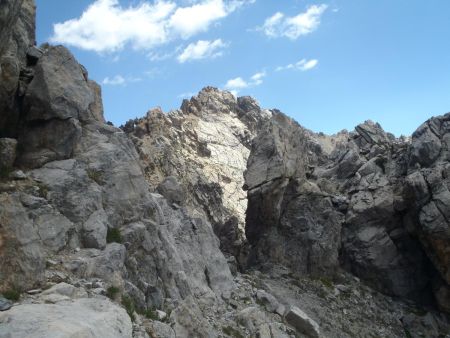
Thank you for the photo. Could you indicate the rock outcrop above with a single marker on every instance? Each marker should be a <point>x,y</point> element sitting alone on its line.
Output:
<point>139,231</point>
<point>90,318</point>
<point>84,189</point>
<point>203,147</point>
<point>365,201</point>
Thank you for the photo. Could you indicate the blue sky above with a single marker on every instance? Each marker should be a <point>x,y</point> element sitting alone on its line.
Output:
<point>328,64</point>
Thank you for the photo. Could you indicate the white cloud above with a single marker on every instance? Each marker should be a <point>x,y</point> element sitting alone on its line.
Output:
<point>238,83</point>
<point>114,81</point>
<point>302,65</point>
<point>119,80</point>
<point>257,78</point>
<point>106,26</point>
<point>188,21</point>
<point>202,49</point>
<point>279,25</point>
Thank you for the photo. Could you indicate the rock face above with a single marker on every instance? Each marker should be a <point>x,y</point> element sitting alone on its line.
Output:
<point>363,200</point>
<point>284,207</point>
<point>83,182</point>
<point>144,214</point>
<point>17,20</point>
<point>204,147</point>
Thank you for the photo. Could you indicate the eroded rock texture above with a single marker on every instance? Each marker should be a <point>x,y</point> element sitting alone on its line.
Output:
<point>82,181</point>
<point>143,215</point>
<point>204,146</point>
<point>365,200</point>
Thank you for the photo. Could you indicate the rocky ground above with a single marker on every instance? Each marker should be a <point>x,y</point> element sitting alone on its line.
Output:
<point>144,231</point>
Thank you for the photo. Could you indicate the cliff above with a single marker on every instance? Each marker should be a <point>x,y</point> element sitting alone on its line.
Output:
<point>220,219</point>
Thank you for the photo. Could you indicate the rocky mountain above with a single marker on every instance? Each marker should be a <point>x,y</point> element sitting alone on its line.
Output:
<point>200,152</point>
<point>220,219</point>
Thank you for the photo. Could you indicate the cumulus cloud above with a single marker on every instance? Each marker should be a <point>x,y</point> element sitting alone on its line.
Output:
<point>238,83</point>
<point>280,25</point>
<point>302,65</point>
<point>106,26</point>
<point>257,78</point>
<point>119,80</point>
<point>202,49</point>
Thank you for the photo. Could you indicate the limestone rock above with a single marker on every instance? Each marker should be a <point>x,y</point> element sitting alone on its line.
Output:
<point>58,89</point>
<point>302,323</point>
<point>205,146</point>
<point>171,190</point>
<point>284,207</point>
<point>95,230</point>
<point>90,318</point>
<point>5,304</point>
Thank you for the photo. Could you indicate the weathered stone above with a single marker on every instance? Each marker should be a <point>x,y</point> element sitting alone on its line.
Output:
<point>95,229</point>
<point>284,207</point>
<point>205,147</point>
<point>7,152</point>
<point>171,190</point>
<point>65,289</point>
<point>58,89</point>
<point>5,304</point>
<point>48,141</point>
<point>33,55</point>
<point>270,302</point>
<point>90,318</point>
<point>302,323</point>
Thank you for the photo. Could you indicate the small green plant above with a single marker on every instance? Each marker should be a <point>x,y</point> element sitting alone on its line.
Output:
<point>260,302</point>
<point>42,190</point>
<point>232,332</point>
<point>327,282</point>
<point>407,333</point>
<point>151,314</point>
<point>112,292</point>
<point>419,311</point>
<point>113,236</point>
<point>4,173</point>
<point>12,294</point>
<point>95,175</point>
<point>129,306</point>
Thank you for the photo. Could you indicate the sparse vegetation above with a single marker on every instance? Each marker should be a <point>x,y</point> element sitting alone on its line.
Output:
<point>12,294</point>
<point>112,292</point>
<point>95,175</point>
<point>113,236</point>
<point>326,282</point>
<point>407,333</point>
<point>4,173</point>
<point>129,306</point>
<point>42,190</point>
<point>151,314</point>
<point>232,332</point>
<point>419,311</point>
<point>260,302</point>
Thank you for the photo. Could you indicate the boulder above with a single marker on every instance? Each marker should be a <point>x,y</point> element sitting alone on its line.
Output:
<point>95,230</point>
<point>59,89</point>
<point>302,322</point>
<point>171,190</point>
<point>86,317</point>
<point>5,304</point>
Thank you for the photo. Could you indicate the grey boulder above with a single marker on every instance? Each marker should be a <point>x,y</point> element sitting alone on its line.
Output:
<point>86,317</point>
